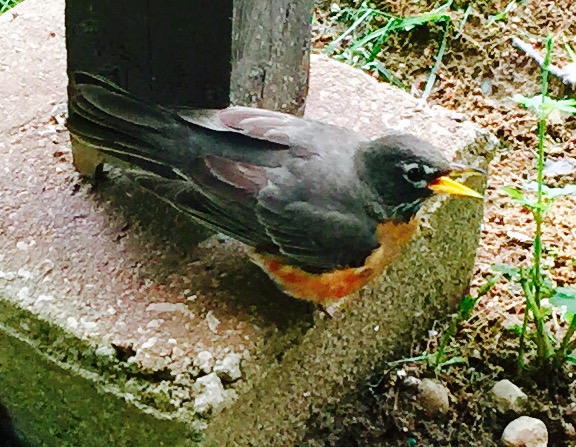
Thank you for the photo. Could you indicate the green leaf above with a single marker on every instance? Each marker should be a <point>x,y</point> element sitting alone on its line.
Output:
<point>467,306</point>
<point>509,271</point>
<point>565,296</point>
<point>502,15</point>
<point>571,358</point>
<point>384,72</point>
<point>569,50</point>
<point>514,193</point>
<point>436,15</point>
<point>564,105</point>
<point>533,103</point>
<point>518,196</point>
<point>374,35</point>
<point>439,14</point>
<point>516,329</point>
<point>542,106</point>
<point>456,360</point>
<point>331,47</point>
<point>553,192</point>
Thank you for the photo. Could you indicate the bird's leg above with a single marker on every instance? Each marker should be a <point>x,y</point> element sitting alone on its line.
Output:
<point>87,160</point>
<point>334,309</point>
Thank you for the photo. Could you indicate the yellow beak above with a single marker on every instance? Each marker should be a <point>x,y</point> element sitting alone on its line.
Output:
<point>446,185</point>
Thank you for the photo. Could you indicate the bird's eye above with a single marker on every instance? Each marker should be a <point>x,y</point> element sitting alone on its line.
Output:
<point>414,175</point>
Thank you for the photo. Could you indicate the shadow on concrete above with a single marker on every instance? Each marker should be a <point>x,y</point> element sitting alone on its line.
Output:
<point>8,437</point>
<point>222,270</point>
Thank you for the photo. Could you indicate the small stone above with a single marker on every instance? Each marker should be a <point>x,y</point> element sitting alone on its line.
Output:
<point>433,397</point>
<point>42,298</point>
<point>569,430</point>
<point>508,397</point>
<point>149,343</point>
<point>24,274</point>
<point>177,352</point>
<point>230,396</point>
<point>167,307</point>
<point>401,373</point>
<point>486,86</point>
<point>228,369</point>
<point>210,394</point>
<point>154,324</point>
<point>23,293</point>
<point>525,432</point>
<point>204,361</point>
<point>72,322</point>
<point>88,325</point>
<point>511,321</point>
<point>212,322</point>
<point>557,168</point>
<point>519,237</point>
<point>412,381</point>
<point>105,350</point>
<point>10,276</point>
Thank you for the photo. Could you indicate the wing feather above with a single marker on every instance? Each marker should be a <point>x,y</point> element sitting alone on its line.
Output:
<point>264,178</point>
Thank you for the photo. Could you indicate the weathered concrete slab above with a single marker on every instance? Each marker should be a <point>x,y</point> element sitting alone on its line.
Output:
<point>106,299</point>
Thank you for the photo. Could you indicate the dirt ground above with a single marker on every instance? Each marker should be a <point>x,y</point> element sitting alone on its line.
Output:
<point>479,73</point>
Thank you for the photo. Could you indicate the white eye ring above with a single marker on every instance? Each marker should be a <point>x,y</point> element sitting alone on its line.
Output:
<point>414,174</point>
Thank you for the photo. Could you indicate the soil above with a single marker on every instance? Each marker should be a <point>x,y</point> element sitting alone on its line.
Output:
<point>479,73</point>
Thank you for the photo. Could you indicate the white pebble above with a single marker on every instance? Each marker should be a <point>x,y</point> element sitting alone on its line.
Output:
<point>149,343</point>
<point>508,397</point>
<point>228,369</point>
<point>210,394</point>
<point>212,322</point>
<point>433,397</point>
<point>525,432</point>
<point>204,361</point>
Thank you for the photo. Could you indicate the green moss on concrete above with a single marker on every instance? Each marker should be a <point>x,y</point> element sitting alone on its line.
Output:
<point>53,386</point>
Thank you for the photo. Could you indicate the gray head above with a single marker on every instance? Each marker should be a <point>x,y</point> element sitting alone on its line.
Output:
<point>403,170</point>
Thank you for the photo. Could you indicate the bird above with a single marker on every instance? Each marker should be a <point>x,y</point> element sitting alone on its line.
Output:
<point>323,209</point>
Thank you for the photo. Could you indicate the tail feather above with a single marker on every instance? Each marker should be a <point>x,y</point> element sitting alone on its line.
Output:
<point>97,128</point>
<point>106,117</point>
<point>124,108</point>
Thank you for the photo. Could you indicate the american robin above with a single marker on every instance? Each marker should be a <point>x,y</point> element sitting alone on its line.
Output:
<point>324,209</point>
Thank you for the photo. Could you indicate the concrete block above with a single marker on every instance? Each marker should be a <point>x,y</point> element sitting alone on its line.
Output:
<point>107,297</point>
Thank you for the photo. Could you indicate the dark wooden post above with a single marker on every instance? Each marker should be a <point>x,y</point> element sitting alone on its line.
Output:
<point>270,54</point>
<point>193,54</point>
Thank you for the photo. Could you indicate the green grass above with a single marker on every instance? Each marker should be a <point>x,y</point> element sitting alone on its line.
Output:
<point>540,292</point>
<point>5,5</point>
<point>360,45</point>
<point>542,296</point>
<point>535,281</point>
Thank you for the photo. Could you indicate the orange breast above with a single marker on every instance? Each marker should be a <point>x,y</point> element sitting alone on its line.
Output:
<point>326,288</point>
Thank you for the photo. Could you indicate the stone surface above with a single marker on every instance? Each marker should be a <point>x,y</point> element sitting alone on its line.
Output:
<point>29,62</point>
<point>204,361</point>
<point>525,432</point>
<point>228,369</point>
<point>433,397</point>
<point>508,397</point>
<point>106,297</point>
<point>210,394</point>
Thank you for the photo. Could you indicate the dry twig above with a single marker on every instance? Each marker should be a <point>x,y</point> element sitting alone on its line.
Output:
<point>566,74</point>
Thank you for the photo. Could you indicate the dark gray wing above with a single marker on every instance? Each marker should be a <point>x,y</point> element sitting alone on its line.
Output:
<point>240,171</point>
<point>243,202</point>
